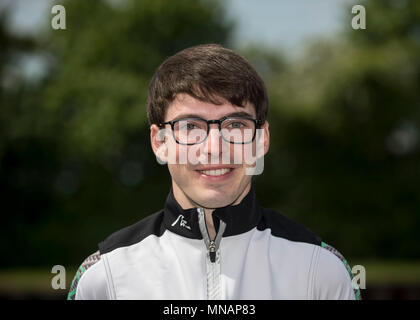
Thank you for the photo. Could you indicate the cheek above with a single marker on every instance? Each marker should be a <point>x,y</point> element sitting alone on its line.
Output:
<point>232,153</point>
<point>177,153</point>
<point>237,152</point>
<point>179,173</point>
<point>242,154</point>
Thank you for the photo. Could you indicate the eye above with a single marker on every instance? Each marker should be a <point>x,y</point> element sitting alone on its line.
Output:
<point>190,126</point>
<point>236,125</point>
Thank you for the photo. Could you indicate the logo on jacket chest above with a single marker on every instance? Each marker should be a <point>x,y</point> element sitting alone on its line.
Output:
<point>182,222</point>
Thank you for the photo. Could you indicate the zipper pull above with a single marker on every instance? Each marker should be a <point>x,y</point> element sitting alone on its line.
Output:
<point>212,251</point>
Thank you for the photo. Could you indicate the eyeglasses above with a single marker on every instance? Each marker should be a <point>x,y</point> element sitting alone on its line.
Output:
<point>236,130</point>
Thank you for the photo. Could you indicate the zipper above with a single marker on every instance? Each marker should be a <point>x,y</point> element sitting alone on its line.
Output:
<point>212,245</point>
<point>214,287</point>
<point>212,251</point>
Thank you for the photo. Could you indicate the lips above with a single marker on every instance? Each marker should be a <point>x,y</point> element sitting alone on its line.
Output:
<point>215,171</point>
<point>218,172</point>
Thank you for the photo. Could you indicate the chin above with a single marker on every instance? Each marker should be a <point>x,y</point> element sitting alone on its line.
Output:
<point>213,198</point>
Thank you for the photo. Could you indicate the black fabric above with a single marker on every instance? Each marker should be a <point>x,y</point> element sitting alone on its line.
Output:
<point>242,217</point>
<point>133,234</point>
<point>173,211</point>
<point>283,227</point>
<point>239,219</point>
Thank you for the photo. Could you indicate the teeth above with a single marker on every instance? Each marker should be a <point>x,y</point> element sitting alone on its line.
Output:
<point>217,172</point>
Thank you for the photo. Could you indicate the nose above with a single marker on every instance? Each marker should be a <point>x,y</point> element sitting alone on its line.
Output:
<point>213,143</point>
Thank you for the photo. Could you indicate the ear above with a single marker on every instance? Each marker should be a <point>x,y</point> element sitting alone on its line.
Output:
<point>266,137</point>
<point>263,140</point>
<point>261,148</point>
<point>158,142</point>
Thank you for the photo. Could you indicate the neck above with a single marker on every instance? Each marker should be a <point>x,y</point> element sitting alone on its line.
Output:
<point>186,203</point>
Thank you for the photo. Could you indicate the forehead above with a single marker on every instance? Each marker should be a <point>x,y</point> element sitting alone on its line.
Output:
<point>184,104</point>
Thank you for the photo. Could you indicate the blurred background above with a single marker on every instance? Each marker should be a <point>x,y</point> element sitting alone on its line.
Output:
<point>75,159</point>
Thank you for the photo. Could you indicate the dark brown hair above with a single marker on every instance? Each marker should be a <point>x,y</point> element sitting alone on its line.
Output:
<point>206,72</point>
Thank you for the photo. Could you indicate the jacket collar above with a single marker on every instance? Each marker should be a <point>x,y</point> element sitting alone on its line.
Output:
<point>239,218</point>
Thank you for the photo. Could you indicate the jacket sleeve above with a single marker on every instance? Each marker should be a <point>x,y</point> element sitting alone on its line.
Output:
<point>89,283</point>
<point>333,277</point>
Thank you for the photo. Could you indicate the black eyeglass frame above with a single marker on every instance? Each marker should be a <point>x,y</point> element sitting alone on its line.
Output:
<point>257,123</point>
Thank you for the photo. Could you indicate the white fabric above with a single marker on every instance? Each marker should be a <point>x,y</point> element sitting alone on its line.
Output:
<point>253,265</point>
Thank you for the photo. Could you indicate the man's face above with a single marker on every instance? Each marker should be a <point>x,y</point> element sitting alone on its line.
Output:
<point>212,176</point>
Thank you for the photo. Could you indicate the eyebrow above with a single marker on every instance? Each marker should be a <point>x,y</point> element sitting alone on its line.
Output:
<point>233,114</point>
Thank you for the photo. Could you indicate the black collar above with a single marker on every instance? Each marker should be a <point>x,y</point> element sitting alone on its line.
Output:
<point>238,218</point>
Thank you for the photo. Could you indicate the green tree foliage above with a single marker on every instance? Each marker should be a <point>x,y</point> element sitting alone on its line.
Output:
<point>76,163</point>
<point>345,135</point>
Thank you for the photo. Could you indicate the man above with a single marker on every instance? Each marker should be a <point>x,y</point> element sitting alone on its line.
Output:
<point>212,240</point>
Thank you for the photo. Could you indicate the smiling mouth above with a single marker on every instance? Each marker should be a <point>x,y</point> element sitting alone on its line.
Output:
<point>215,173</point>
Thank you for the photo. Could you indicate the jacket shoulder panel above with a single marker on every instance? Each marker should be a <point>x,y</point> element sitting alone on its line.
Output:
<point>134,233</point>
<point>331,280</point>
<point>86,264</point>
<point>284,227</point>
<point>349,275</point>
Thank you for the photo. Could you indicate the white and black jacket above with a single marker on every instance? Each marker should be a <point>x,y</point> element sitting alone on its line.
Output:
<point>257,254</point>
